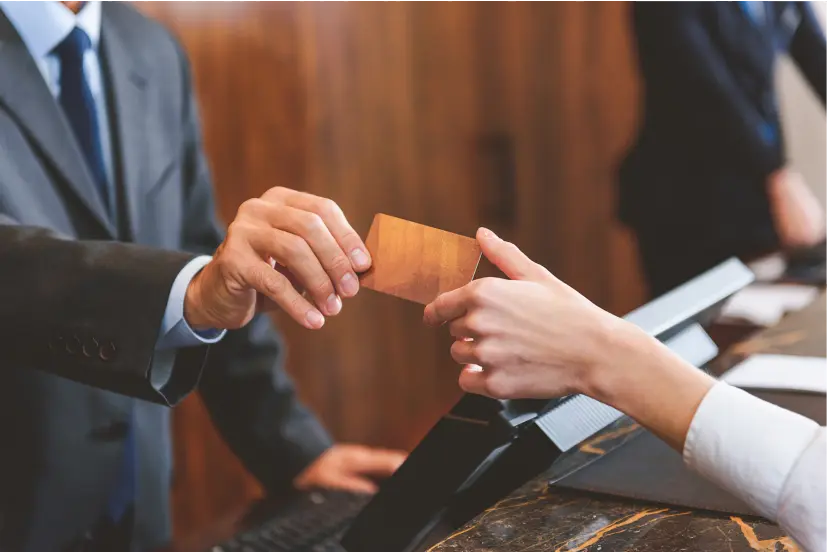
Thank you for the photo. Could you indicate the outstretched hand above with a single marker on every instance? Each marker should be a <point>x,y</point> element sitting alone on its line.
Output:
<point>531,336</point>
<point>279,245</point>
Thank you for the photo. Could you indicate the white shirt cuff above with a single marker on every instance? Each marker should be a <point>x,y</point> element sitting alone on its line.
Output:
<point>746,445</point>
<point>802,509</point>
<point>175,331</point>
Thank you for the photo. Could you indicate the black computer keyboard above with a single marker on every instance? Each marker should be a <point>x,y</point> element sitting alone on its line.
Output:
<point>313,522</point>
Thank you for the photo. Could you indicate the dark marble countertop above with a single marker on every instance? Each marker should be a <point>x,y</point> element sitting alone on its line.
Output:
<point>541,517</point>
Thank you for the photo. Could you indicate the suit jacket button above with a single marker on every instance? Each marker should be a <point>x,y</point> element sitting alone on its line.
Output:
<point>90,347</point>
<point>107,351</point>
<point>73,345</point>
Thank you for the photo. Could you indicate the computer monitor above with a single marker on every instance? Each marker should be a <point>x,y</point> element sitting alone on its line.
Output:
<point>483,449</point>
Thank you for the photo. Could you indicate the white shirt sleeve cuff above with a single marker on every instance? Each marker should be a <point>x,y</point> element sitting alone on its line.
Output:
<point>175,331</point>
<point>802,509</point>
<point>746,445</point>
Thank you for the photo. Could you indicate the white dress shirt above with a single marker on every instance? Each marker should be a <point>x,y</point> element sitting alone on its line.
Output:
<point>44,25</point>
<point>769,457</point>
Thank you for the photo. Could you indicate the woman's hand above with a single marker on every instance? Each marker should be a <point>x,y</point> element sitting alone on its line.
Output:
<point>533,336</point>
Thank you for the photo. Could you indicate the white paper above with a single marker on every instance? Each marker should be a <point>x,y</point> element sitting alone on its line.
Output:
<point>780,372</point>
<point>769,268</point>
<point>766,304</point>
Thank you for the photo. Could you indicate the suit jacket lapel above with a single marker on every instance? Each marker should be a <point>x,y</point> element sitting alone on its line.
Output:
<point>28,99</point>
<point>127,82</point>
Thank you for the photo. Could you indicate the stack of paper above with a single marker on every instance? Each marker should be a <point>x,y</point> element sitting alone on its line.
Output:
<point>780,372</point>
<point>766,304</point>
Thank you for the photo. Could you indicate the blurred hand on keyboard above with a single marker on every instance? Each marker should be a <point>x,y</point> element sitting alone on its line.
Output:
<point>354,468</point>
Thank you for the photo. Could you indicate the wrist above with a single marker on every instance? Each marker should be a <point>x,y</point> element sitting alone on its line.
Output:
<point>194,312</point>
<point>623,350</point>
<point>642,378</point>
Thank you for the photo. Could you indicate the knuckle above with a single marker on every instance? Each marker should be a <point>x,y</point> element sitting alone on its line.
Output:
<point>350,235</point>
<point>340,263</point>
<point>311,223</point>
<point>485,353</point>
<point>274,284</point>
<point>321,288</point>
<point>274,193</point>
<point>235,232</point>
<point>297,304</point>
<point>498,386</point>
<point>475,322</point>
<point>251,207</point>
<point>329,207</point>
<point>363,455</point>
<point>481,289</point>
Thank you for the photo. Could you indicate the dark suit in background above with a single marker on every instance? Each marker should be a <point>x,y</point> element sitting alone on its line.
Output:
<point>64,441</point>
<point>693,187</point>
<point>91,312</point>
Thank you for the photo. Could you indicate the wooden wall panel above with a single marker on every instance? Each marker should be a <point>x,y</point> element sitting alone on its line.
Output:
<point>511,115</point>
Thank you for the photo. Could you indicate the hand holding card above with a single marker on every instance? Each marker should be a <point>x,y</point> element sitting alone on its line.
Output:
<point>417,262</point>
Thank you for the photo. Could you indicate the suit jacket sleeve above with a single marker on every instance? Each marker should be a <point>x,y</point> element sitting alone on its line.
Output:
<point>693,61</point>
<point>91,312</point>
<point>249,395</point>
<point>808,50</point>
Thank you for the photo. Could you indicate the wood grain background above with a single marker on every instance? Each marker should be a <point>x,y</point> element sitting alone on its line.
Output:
<point>455,115</point>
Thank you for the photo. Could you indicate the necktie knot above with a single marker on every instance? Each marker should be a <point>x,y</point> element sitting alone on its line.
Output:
<point>72,48</point>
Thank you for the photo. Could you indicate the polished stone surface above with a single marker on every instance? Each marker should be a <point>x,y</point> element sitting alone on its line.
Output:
<point>543,518</point>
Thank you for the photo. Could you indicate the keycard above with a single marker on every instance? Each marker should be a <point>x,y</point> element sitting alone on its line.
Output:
<point>417,262</point>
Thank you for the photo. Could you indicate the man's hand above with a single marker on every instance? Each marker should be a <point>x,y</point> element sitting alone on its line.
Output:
<point>797,215</point>
<point>283,236</point>
<point>352,468</point>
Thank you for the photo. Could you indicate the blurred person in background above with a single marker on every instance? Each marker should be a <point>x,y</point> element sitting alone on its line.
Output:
<point>100,140</point>
<point>535,337</point>
<point>707,178</point>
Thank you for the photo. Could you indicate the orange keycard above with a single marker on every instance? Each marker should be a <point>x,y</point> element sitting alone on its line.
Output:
<point>417,262</point>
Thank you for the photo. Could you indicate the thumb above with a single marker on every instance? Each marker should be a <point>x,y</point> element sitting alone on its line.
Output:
<point>508,258</point>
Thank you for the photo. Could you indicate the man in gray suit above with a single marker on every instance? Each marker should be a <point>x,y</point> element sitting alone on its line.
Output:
<point>99,140</point>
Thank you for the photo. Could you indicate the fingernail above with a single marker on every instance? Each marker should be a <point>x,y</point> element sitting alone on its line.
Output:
<point>360,259</point>
<point>349,284</point>
<point>334,304</point>
<point>314,319</point>
<point>486,233</point>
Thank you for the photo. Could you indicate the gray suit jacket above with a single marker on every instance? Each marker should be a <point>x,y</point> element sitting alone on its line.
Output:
<point>63,441</point>
<point>91,311</point>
